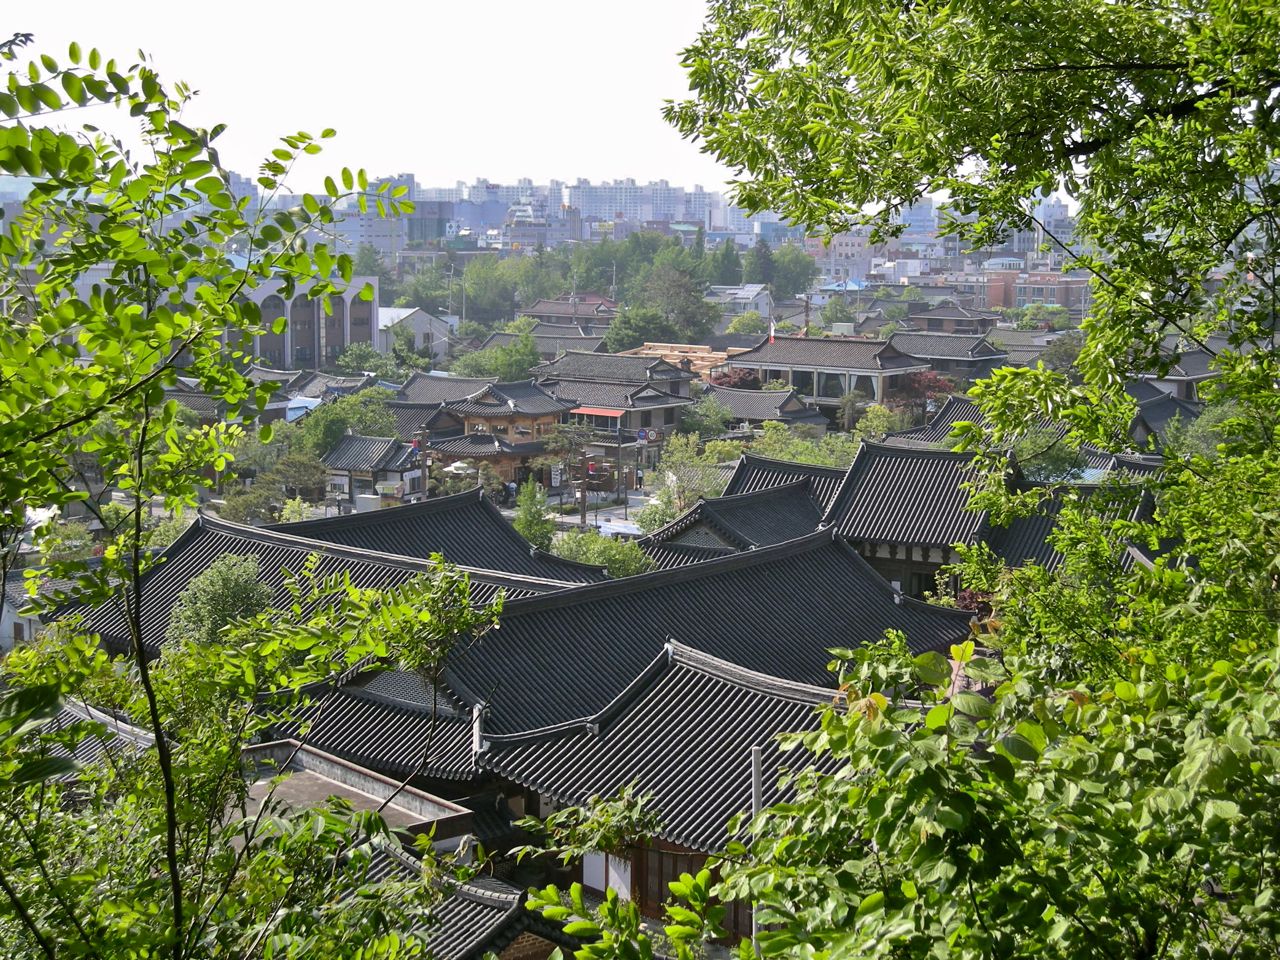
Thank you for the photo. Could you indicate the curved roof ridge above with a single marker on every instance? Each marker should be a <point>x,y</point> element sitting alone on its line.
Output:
<point>284,539</point>
<point>586,592</point>
<point>748,457</point>
<point>713,666</point>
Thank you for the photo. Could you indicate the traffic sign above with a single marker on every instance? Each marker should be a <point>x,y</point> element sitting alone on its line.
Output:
<point>642,435</point>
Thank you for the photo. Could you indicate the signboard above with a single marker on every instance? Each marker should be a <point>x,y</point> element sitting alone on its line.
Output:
<point>642,435</point>
<point>555,477</point>
<point>657,434</point>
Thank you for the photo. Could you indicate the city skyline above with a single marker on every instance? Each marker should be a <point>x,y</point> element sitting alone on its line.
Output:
<point>574,92</point>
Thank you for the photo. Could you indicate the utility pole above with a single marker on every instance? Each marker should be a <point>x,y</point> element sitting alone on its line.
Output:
<point>622,483</point>
<point>582,492</point>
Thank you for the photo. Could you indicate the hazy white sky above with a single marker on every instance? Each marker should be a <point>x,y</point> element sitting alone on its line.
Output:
<point>446,90</point>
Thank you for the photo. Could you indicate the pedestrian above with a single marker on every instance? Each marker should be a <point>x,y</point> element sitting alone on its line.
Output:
<point>639,479</point>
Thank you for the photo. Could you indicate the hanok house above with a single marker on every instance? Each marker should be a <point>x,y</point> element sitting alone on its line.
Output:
<point>620,395</point>
<point>903,508</point>
<point>949,318</point>
<point>719,526</point>
<point>824,369</point>
<point>503,424</point>
<point>963,356</point>
<point>580,310</point>
<point>751,408</point>
<point>373,466</point>
<point>680,722</point>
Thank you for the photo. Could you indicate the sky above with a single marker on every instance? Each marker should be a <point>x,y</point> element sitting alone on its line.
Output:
<point>447,91</point>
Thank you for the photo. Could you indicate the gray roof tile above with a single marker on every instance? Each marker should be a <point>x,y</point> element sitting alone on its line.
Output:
<point>465,527</point>
<point>682,732</point>
<point>775,610</point>
<point>826,353</point>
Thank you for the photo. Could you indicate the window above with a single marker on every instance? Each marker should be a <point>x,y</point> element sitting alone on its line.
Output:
<point>669,416</point>
<point>646,419</point>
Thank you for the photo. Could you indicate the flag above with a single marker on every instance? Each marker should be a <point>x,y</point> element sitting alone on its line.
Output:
<point>772,329</point>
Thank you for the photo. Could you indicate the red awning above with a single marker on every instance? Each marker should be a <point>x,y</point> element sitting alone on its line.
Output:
<point>598,412</point>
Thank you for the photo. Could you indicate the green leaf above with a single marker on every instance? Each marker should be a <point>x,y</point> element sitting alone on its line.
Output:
<point>932,668</point>
<point>973,704</point>
<point>1126,691</point>
<point>870,904</point>
<point>937,716</point>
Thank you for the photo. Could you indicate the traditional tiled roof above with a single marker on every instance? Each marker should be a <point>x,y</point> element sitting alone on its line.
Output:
<point>585,327</point>
<point>566,310</point>
<point>668,556</point>
<point>465,527</point>
<point>682,732</point>
<point>946,346</point>
<point>260,374</point>
<point>383,720</point>
<point>1159,413</point>
<point>426,388</point>
<point>548,345</point>
<point>1026,539</point>
<point>827,353</point>
<point>614,396</point>
<point>761,405</point>
<point>204,405</point>
<point>411,417</point>
<point>208,539</point>
<point>483,917</point>
<point>937,432</point>
<point>900,495</point>
<point>776,610</point>
<point>316,385</point>
<point>1188,364</point>
<point>581,365</point>
<point>364,454</point>
<point>518,398</point>
<point>482,445</point>
<point>760,473</point>
<point>118,739</point>
<point>745,521</point>
<point>949,311</point>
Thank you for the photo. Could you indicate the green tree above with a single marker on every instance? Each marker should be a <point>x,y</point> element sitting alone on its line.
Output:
<point>507,362</point>
<point>532,519</point>
<point>706,417</point>
<point>621,558</point>
<point>757,265</point>
<point>361,358</point>
<point>228,589</point>
<point>144,855</point>
<point>836,311</point>
<point>781,442</point>
<point>793,272</point>
<point>61,541</point>
<point>491,290</point>
<point>683,474</point>
<point>749,322</point>
<point>1062,353</point>
<point>726,265</point>
<point>636,326</point>
<point>365,413</point>
<point>677,294</point>
<point>294,510</point>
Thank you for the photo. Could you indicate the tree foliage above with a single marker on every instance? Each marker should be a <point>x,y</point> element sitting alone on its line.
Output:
<point>635,326</point>
<point>365,413</point>
<point>508,362</point>
<point>757,265</point>
<point>227,590</point>
<point>621,558</point>
<point>533,520</point>
<point>793,272</point>
<point>748,322</point>
<point>706,417</point>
